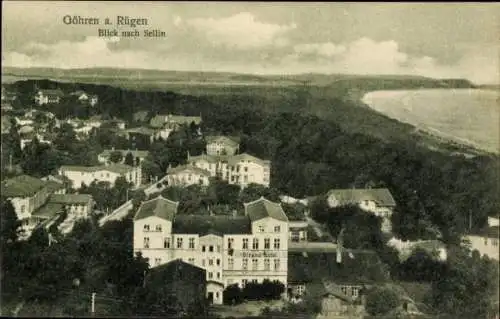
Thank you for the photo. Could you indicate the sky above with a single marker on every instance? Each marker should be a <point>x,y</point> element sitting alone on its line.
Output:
<point>429,39</point>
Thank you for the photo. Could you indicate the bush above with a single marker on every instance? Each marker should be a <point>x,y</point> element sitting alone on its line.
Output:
<point>381,300</point>
<point>232,295</point>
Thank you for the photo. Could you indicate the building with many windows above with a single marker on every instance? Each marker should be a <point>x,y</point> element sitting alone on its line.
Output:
<point>232,249</point>
<point>241,169</point>
<point>185,175</point>
<point>79,175</point>
<point>222,145</point>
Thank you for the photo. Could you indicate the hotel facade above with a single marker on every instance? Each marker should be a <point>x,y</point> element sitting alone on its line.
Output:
<point>232,250</point>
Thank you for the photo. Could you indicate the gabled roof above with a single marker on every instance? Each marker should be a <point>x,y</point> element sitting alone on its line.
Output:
<point>21,186</point>
<point>56,92</point>
<point>231,140</point>
<point>135,153</point>
<point>217,225</point>
<point>175,271</point>
<point>141,130</point>
<point>158,121</point>
<point>53,185</point>
<point>262,208</point>
<point>188,168</point>
<point>382,196</point>
<point>115,168</point>
<point>70,198</point>
<point>48,210</point>
<point>159,207</point>
<point>490,232</point>
<point>235,159</point>
<point>181,119</point>
<point>208,158</point>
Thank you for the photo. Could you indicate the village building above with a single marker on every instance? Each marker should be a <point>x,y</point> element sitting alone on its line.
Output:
<point>85,175</point>
<point>86,98</point>
<point>43,97</point>
<point>138,156</point>
<point>36,201</point>
<point>187,280</point>
<point>232,249</point>
<point>485,241</point>
<point>160,121</point>
<point>185,175</point>
<point>222,145</point>
<point>378,201</point>
<point>242,169</point>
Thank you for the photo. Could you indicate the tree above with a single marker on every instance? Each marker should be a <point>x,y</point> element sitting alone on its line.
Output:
<point>10,225</point>
<point>381,300</point>
<point>129,159</point>
<point>255,191</point>
<point>421,266</point>
<point>116,156</point>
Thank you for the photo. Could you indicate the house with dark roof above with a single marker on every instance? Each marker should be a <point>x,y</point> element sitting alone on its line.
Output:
<point>36,200</point>
<point>48,96</point>
<point>378,201</point>
<point>222,145</point>
<point>139,156</point>
<point>232,249</point>
<point>183,280</point>
<point>185,175</point>
<point>159,121</point>
<point>85,175</point>
<point>85,97</point>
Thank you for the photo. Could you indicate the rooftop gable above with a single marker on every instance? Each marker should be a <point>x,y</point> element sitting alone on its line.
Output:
<point>159,207</point>
<point>233,141</point>
<point>70,198</point>
<point>188,168</point>
<point>262,208</point>
<point>382,196</point>
<point>21,186</point>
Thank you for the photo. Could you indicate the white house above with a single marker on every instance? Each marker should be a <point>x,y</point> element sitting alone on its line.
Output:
<point>22,121</point>
<point>222,145</point>
<point>232,250</point>
<point>86,98</point>
<point>48,97</point>
<point>379,201</point>
<point>139,156</point>
<point>79,175</point>
<point>186,175</point>
<point>28,138</point>
<point>30,198</point>
<point>486,240</point>
<point>241,169</point>
<point>78,205</point>
<point>406,247</point>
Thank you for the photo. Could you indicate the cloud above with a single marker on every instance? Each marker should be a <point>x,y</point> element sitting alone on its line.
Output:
<point>327,49</point>
<point>92,52</point>
<point>240,31</point>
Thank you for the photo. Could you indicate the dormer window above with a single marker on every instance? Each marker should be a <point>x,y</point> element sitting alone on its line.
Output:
<point>158,227</point>
<point>146,227</point>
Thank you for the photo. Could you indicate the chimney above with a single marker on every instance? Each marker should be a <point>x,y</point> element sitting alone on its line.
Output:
<point>340,245</point>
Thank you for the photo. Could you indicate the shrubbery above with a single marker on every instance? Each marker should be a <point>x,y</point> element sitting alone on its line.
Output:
<point>267,290</point>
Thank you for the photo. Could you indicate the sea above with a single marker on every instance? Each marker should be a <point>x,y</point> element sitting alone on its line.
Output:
<point>466,116</point>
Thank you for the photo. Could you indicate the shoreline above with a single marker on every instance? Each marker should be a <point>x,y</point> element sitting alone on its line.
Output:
<point>436,139</point>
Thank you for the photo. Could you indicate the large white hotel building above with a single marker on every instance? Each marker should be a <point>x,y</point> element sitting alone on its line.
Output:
<point>232,250</point>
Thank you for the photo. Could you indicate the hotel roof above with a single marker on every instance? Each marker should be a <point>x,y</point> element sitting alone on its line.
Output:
<point>217,225</point>
<point>21,186</point>
<point>159,207</point>
<point>70,198</point>
<point>262,208</point>
<point>188,168</point>
<point>115,168</point>
<point>382,196</point>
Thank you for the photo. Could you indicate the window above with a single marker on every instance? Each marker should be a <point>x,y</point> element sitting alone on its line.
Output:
<point>191,243</point>
<point>203,262</point>
<point>157,261</point>
<point>276,243</point>
<point>210,262</point>
<point>230,263</point>
<point>218,275</point>
<point>166,243</point>
<point>189,177</point>
<point>267,243</point>
<point>245,178</point>
<point>267,264</point>
<point>218,248</point>
<point>255,281</point>
<point>218,262</point>
<point>210,275</point>
<point>146,227</point>
<point>211,248</point>
<point>245,263</point>
<point>495,242</point>
<point>277,229</point>
<point>230,242</point>
<point>203,248</point>
<point>301,289</point>
<point>179,242</point>
<point>191,260</point>
<point>355,292</point>
<point>255,264</point>
<point>146,242</point>
<point>158,227</point>
<point>276,264</point>
<point>23,208</point>
<point>246,169</point>
<point>261,229</point>
<point>255,243</point>
<point>217,293</point>
<point>244,282</point>
<point>245,243</point>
